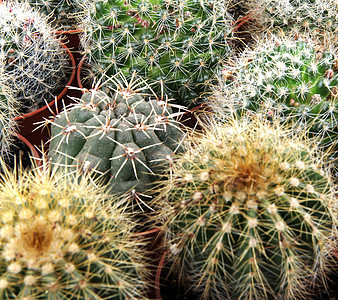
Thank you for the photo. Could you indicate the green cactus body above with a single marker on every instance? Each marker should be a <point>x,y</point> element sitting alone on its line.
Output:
<point>291,82</point>
<point>33,63</point>
<point>250,214</point>
<point>178,45</point>
<point>127,138</point>
<point>59,241</point>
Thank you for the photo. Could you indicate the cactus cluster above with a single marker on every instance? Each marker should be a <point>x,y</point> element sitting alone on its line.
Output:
<point>291,81</point>
<point>126,135</point>
<point>180,44</point>
<point>65,241</point>
<point>32,61</point>
<point>250,213</point>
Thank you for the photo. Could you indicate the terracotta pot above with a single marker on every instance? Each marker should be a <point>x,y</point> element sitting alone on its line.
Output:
<point>35,154</point>
<point>27,123</point>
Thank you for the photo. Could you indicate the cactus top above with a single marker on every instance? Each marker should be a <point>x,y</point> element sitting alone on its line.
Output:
<point>251,213</point>
<point>180,44</point>
<point>127,138</point>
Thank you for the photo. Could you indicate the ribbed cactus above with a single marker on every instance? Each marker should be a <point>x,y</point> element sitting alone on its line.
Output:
<point>179,43</point>
<point>251,215</point>
<point>292,81</point>
<point>315,17</point>
<point>60,239</point>
<point>127,137</point>
<point>32,61</point>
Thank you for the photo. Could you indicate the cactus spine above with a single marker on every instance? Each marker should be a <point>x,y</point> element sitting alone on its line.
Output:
<point>32,61</point>
<point>180,44</point>
<point>251,213</point>
<point>65,241</point>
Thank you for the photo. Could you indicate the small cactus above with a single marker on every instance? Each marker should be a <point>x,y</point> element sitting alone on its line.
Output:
<point>292,81</point>
<point>250,213</point>
<point>180,44</point>
<point>125,135</point>
<point>65,241</point>
<point>32,61</point>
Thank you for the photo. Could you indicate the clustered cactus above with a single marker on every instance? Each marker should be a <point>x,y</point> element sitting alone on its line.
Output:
<point>33,63</point>
<point>178,45</point>
<point>125,135</point>
<point>65,241</point>
<point>291,81</point>
<point>250,213</point>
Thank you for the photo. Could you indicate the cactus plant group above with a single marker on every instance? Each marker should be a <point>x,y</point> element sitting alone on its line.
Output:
<point>250,213</point>
<point>180,44</point>
<point>33,63</point>
<point>126,135</point>
<point>65,241</point>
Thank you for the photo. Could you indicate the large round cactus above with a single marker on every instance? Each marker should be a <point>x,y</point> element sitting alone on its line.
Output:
<point>128,138</point>
<point>32,62</point>
<point>181,44</point>
<point>292,81</point>
<point>251,215</point>
<point>65,241</point>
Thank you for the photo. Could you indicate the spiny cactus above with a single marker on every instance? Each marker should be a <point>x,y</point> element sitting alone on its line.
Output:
<point>62,13</point>
<point>64,241</point>
<point>291,81</point>
<point>251,215</point>
<point>315,17</point>
<point>32,61</point>
<point>7,123</point>
<point>125,135</point>
<point>181,44</point>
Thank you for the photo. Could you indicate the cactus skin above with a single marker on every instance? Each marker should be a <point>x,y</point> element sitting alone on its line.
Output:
<point>126,138</point>
<point>291,82</point>
<point>250,216</point>
<point>60,241</point>
<point>179,43</point>
<point>32,61</point>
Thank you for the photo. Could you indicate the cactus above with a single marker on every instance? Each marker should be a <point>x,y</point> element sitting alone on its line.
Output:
<point>33,63</point>
<point>7,124</point>
<point>250,213</point>
<point>178,43</point>
<point>65,241</point>
<point>62,13</point>
<point>127,138</point>
<point>292,82</point>
<point>315,17</point>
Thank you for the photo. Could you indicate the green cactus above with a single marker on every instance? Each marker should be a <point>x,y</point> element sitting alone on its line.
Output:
<point>250,214</point>
<point>314,17</point>
<point>181,44</point>
<point>33,63</point>
<point>291,82</point>
<point>63,241</point>
<point>127,138</point>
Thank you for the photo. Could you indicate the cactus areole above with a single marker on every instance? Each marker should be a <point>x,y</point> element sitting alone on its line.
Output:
<point>127,139</point>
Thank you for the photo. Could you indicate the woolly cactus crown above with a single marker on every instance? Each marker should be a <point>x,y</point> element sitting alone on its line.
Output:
<point>61,238</point>
<point>251,215</point>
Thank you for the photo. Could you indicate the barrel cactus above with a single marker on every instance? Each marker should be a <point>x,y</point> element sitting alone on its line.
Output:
<point>251,215</point>
<point>180,44</point>
<point>32,61</point>
<point>292,81</point>
<point>65,241</point>
<point>127,137</point>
